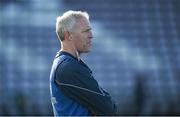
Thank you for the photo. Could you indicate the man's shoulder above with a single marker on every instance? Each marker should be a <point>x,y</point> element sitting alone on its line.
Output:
<point>68,63</point>
<point>68,68</point>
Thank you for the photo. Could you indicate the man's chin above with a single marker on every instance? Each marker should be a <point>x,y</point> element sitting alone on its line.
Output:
<point>86,51</point>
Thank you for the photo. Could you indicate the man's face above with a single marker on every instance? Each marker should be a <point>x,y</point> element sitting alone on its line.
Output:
<point>82,36</point>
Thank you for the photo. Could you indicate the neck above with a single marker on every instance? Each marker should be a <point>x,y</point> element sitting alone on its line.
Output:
<point>70,49</point>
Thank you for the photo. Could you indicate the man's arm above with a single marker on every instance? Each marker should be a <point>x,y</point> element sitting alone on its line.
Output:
<point>83,88</point>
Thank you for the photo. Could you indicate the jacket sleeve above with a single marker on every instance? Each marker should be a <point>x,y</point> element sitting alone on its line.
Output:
<point>80,85</point>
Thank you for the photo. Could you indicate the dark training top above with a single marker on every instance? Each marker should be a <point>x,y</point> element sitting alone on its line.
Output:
<point>74,91</point>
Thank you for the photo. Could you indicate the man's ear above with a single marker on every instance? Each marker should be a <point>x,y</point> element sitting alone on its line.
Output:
<point>67,35</point>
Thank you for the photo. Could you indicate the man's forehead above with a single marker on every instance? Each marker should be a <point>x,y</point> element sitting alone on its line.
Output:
<point>83,23</point>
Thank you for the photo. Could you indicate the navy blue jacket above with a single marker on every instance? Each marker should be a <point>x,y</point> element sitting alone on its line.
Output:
<point>74,91</point>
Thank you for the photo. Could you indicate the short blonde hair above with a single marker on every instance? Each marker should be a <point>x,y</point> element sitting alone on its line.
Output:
<point>67,21</point>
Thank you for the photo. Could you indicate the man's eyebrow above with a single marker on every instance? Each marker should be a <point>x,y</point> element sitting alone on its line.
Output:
<point>87,29</point>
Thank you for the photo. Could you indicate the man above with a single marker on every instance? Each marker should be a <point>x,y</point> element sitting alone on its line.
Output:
<point>74,91</point>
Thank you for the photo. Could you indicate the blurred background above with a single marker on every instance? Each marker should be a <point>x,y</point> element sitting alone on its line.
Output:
<point>135,54</point>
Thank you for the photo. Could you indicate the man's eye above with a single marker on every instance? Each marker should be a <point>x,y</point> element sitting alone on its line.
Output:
<point>88,30</point>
